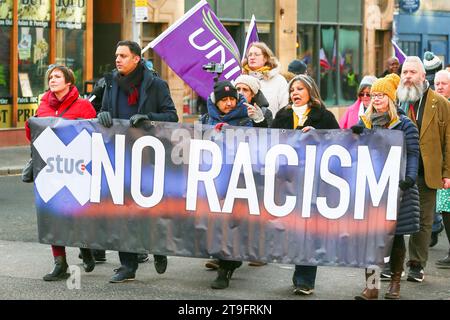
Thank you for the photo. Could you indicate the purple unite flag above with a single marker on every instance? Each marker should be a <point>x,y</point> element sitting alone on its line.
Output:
<point>252,35</point>
<point>194,40</point>
<point>399,54</point>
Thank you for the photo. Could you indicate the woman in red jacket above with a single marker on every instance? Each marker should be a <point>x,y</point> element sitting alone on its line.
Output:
<point>63,100</point>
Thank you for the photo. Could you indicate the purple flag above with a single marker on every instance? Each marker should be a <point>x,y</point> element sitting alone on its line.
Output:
<point>252,35</point>
<point>401,56</point>
<point>194,40</point>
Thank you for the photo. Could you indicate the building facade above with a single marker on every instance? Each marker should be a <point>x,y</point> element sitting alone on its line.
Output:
<point>340,40</point>
<point>423,26</point>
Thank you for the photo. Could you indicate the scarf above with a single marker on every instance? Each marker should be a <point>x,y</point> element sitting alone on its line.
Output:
<point>380,119</point>
<point>301,113</point>
<point>130,83</point>
<point>260,73</point>
<point>53,101</point>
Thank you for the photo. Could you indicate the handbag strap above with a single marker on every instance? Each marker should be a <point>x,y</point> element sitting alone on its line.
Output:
<point>68,107</point>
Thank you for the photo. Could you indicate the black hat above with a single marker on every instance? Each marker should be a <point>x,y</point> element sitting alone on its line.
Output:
<point>224,89</point>
<point>297,67</point>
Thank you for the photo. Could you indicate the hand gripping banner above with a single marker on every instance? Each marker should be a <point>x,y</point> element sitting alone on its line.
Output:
<point>326,197</point>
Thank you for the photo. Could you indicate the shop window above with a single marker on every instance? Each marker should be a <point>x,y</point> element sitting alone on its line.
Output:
<point>410,48</point>
<point>230,9</point>
<point>70,37</point>
<point>350,11</point>
<point>349,64</point>
<point>5,57</point>
<point>262,9</point>
<point>34,52</point>
<point>328,10</point>
<point>307,11</point>
<point>306,52</point>
<point>328,74</point>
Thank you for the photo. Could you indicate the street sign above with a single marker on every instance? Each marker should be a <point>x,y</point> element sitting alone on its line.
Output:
<point>409,6</point>
<point>141,10</point>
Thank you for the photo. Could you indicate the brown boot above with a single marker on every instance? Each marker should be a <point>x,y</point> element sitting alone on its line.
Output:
<point>368,294</point>
<point>394,287</point>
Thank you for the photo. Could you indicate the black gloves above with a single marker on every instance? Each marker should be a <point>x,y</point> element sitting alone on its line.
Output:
<point>135,119</point>
<point>105,119</point>
<point>358,129</point>
<point>406,184</point>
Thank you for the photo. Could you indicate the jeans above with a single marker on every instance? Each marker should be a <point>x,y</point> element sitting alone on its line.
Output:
<point>305,276</point>
<point>129,260</point>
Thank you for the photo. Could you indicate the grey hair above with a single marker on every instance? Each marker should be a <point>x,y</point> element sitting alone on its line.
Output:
<point>442,72</point>
<point>417,60</point>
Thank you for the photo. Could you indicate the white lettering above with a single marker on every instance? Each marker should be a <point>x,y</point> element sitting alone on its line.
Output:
<point>269,180</point>
<point>242,161</point>
<point>389,174</point>
<point>158,171</point>
<point>101,159</point>
<point>334,180</point>
<point>195,175</point>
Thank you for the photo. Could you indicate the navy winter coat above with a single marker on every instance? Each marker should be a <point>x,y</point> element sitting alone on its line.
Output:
<point>236,117</point>
<point>154,98</point>
<point>409,211</point>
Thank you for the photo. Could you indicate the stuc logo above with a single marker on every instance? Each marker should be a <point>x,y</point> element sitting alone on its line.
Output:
<point>66,165</point>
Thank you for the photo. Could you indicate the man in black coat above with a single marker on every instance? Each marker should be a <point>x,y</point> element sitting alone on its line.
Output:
<point>135,93</point>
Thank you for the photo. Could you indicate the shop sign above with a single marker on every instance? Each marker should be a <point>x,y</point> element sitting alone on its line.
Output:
<point>34,13</point>
<point>70,14</point>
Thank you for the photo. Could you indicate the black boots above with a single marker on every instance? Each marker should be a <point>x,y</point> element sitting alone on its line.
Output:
<point>88,259</point>
<point>224,273</point>
<point>160,263</point>
<point>59,271</point>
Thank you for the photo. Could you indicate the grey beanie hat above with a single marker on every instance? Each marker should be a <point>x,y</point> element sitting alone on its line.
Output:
<point>367,81</point>
<point>250,81</point>
<point>431,62</point>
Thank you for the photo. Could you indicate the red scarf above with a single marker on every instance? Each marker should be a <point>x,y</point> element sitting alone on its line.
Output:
<point>53,101</point>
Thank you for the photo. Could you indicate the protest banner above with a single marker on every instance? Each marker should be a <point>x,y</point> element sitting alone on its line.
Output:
<point>326,197</point>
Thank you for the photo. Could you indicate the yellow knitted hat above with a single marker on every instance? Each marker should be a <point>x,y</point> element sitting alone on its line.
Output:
<point>387,85</point>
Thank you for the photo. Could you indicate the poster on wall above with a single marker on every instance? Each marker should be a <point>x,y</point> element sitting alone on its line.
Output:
<point>71,14</point>
<point>6,13</point>
<point>34,13</point>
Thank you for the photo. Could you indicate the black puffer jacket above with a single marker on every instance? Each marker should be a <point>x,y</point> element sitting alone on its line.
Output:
<point>318,118</point>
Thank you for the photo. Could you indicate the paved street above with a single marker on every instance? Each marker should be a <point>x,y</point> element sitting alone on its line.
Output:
<point>24,261</point>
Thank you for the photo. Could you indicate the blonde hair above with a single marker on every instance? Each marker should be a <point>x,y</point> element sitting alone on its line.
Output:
<point>315,101</point>
<point>392,111</point>
<point>271,62</point>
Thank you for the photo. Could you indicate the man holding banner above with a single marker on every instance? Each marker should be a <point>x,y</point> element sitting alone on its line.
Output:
<point>135,93</point>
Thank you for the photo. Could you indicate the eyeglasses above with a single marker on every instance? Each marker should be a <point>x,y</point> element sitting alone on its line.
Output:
<point>254,54</point>
<point>364,94</point>
<point>377,96</point>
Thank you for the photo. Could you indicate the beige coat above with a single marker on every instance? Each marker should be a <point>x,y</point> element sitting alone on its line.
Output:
<point>434,140</point>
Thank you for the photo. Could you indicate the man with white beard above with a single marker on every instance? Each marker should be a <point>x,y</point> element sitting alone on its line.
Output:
<point>431,113</point>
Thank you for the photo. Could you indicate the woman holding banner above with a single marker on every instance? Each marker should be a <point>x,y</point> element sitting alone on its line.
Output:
<point>383,113</point>
<point>261,63</point>
<point>305,111</point>
<point>63,100</point>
